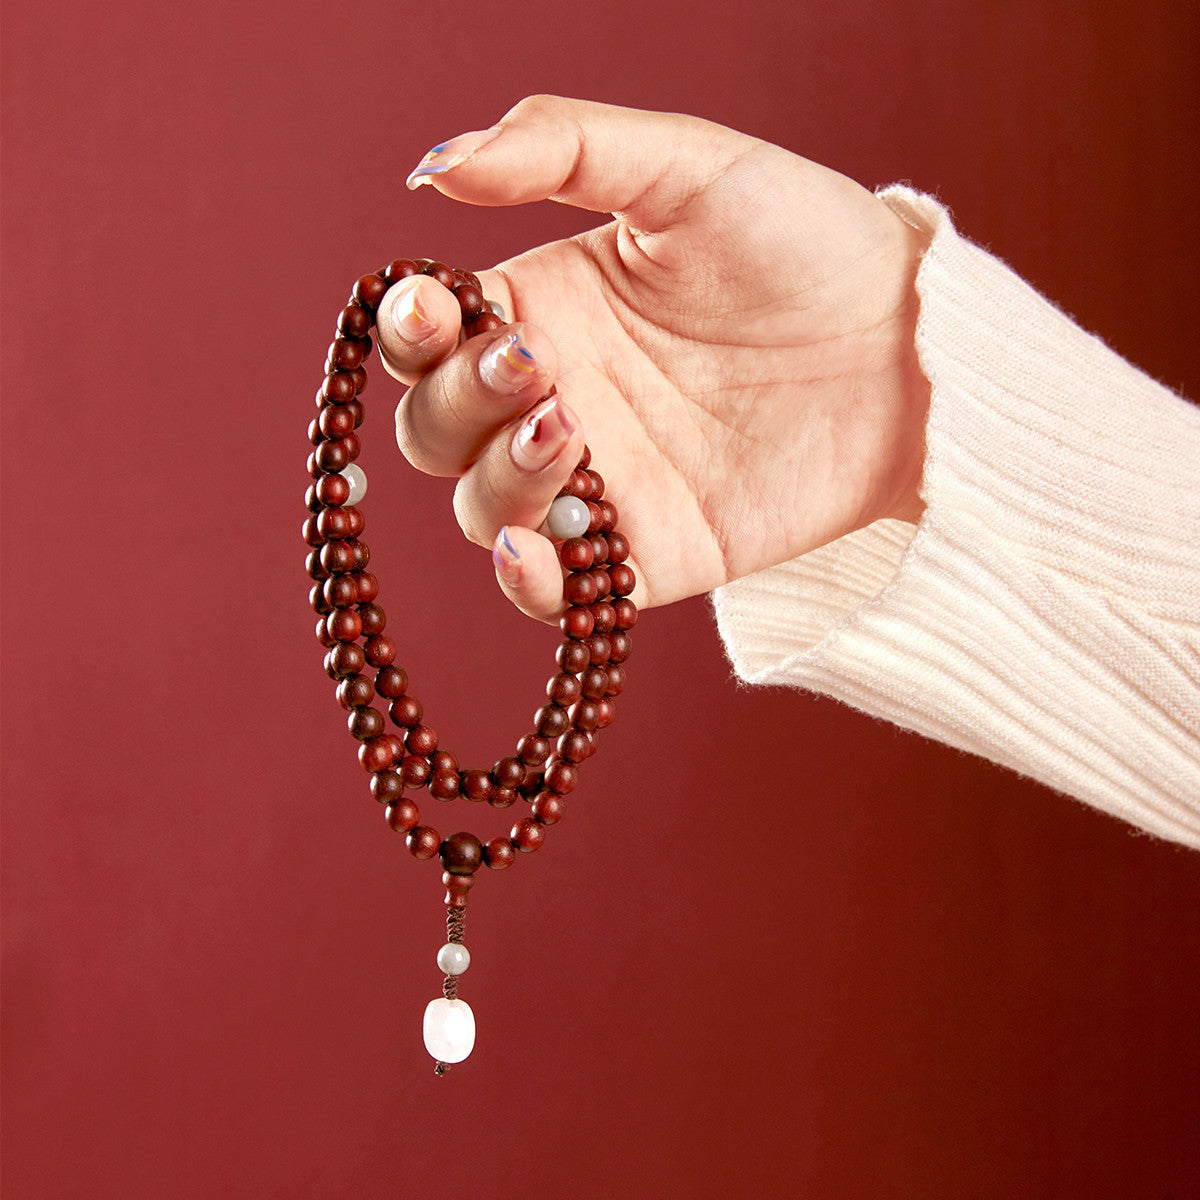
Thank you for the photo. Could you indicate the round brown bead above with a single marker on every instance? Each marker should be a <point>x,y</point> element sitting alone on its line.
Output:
<point>421,740</point>
<point>573,656</point>
<point>392,682</point>
<point>354,321</point>
<point>405,711</point>
<point>499,853</point>
<point>575,622</point>
<point>476,785</point>
<point>443,784</point>
<point>502,797</point>
<point>550,720</point>
<point>340,591</point>
<point>346,658</point>
<point>461,854</point>
<point>376,755</point>
<point>574,746</point>
<point>368,586</point>
<point>443,760</point>
<point>415,772</point>
<point>387,787</point>
<point>527,835</point>
<point>561,777</point>
<point>533,749</point>
<point>365,723</point>
<point>618,547</point>
<point>344,625</point>
<point>402,815</point>
<point>380,651</point>
<point>563,689</point>
<point>422,841</point>
<point>508,772</point>
<point>373,618</point>
<point>548,809</point>
<point>575,554</point>
<point>580,588</point>
<point>369,290</point>
<point>621,646</point>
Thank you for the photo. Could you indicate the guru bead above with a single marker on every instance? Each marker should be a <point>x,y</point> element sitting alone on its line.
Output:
<point>449,1029</point>
<point>568,517</point>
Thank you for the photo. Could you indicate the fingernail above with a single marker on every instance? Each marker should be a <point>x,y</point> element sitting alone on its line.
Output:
<point>542,435</point>
<point>449,154</point>
<point>508,365</point>
<point>410,319</point>
<point>506,558</point>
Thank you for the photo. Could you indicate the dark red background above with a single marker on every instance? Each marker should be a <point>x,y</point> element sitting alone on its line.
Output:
<point>777,949</point>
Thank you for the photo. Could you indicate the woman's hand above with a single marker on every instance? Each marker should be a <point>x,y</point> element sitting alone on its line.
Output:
<point>738,344</point>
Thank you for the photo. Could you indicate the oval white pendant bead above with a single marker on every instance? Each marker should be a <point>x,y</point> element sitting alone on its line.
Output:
<point>449,1029</point>
<point>568,517</point>
<point>356,477</point>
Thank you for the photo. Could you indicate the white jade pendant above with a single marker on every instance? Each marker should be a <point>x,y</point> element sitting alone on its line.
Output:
<point>449,1029</point>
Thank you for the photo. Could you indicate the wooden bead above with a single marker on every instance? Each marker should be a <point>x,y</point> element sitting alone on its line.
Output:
<point>354,321</point>
<point>368,586</point>
<point>551,720</point>
<point>392,682</point>
<point>402,815</point>
<point>461,854</point>
<point>373,618</point>
<point>415,772</point>
<point>365,723</point>
<point>346,658</point>
<point>508,772</point>
<point>340,591</point>
<point>576,554</point>
<point>387,787</point>
<point>369,290</point>
<point>533,749</point>
<point>380,651</point>
<point>499,853</point>
<point>563,689</point>
<point>575,622</point>
<point>527,835</point>
<point>574,746</point>
<point>548,809</point>
<point>332,489</point>
<point>405,711</point>
<point>618,547</point>
<point>561,777</point>
<point>422,841</point>
<point>443,785</point>
<point>344,625</point>
<point>476,785</point>
<point>621,646</point>
<point>580,588</point>
<point>421,741</point>
<point>573,656</point>
<point>376,755</point>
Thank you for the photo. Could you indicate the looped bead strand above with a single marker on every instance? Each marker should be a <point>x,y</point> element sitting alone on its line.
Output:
<point>360,657</point>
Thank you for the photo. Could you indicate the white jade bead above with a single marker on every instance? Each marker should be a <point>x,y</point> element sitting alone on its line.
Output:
<point>453,958</point>
<point>498,309</point>
<point>356,477</point>
<point>568,517</point>
<point>449,1029</point>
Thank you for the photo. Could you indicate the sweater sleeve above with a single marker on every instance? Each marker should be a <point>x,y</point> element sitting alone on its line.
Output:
<point>1045,613</point>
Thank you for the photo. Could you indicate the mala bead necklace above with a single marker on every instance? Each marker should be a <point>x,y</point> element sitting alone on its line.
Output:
<point>360,657</point>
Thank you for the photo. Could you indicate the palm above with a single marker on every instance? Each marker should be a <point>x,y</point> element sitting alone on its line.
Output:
<point>734,372</point>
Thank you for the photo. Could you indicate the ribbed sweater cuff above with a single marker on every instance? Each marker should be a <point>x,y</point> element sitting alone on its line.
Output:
<point>1046,612</point>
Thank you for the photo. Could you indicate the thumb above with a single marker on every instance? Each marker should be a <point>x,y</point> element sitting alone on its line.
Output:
<point>645,167</point>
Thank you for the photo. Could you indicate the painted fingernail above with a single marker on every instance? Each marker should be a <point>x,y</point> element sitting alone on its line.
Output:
<point>542,435</point>
<point>449,154</point>
<point>411,321</point>
<point>506,557</point>
<point>508,365</point>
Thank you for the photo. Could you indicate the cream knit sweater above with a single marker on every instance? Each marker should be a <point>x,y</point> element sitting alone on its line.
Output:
<point>1046,611</point>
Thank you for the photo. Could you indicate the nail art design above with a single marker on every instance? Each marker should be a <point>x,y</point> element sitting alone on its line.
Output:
<point>445,155</point>
<point>508,365</point>
<point>506,557</point>
<point>542,435</point>
<point>411,320</point>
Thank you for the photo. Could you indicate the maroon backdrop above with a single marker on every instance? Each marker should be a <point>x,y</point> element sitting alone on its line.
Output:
<point>777,949</point>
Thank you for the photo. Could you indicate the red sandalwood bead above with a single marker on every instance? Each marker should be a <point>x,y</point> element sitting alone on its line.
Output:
<point>387,787</point>
<point>548,809</point>
<point>376,755</point>
<point>561,777</point>
<point>461,854</point>
<point>402,815</point>
<point>365,723</point>
<point>508,772</point>
<point>476,785</point>
<point>415,772</point>
<point>421,741</point>
<point>380,651</point>
<point>355,692</point>
<point>499,853</point>
<point>443,784</point>
<point>422,841</point>
<point>392,682</point>
<point>527,835</point>
<point>404,711</point>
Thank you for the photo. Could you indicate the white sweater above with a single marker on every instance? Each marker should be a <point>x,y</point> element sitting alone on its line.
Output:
<point>1046,611</point>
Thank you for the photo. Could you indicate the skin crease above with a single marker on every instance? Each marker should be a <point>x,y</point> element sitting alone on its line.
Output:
<point>737,343</point>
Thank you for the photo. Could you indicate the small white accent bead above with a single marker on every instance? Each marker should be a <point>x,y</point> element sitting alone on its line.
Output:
<point>497,308</point>
<point>568,517</point>
<point>453,958</point>
<point>356,477</point>
<point>449,1029</point>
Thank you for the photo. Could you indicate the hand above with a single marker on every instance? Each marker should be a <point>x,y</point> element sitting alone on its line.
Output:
<point>738,343</point>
